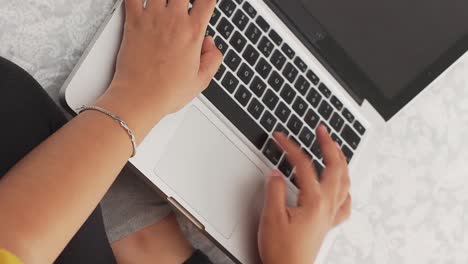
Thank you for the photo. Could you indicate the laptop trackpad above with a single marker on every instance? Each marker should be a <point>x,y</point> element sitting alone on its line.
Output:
<point>209,172</point>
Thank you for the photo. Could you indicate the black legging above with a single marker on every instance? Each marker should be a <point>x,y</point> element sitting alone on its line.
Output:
<point>27,117</point>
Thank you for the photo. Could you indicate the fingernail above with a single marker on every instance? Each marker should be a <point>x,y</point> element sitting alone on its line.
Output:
<point>322,127</point>
<point>275,173</point>
<point>338,145</point>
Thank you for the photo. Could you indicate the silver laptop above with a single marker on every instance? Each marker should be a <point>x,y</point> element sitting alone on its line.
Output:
<point>289,66</point>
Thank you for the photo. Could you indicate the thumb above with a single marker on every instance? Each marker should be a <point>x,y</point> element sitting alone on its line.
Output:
<point>275,196</point>
<point>211,59</point>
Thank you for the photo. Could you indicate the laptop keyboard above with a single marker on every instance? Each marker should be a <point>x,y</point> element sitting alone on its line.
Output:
<point>263,87</point>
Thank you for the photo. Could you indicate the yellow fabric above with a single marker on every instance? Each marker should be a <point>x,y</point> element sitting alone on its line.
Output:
<point>8,258</point>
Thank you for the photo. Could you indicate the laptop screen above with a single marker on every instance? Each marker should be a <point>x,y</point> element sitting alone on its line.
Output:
<point>391,42</point>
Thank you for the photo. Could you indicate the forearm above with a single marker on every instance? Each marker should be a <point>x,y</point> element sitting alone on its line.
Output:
<point>48,195</point>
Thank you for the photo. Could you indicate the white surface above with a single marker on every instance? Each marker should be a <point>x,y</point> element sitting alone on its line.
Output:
<point>209,173</point>
<point>413,201</point>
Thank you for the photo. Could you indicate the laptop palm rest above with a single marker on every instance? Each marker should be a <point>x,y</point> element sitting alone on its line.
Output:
<point>209,173</point>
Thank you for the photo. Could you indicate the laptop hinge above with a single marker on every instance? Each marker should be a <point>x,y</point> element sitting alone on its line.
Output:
<point>322,46</point>
<point>186,213</point>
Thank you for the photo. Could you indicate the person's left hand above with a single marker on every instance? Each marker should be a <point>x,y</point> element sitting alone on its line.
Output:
<point>165,60</point>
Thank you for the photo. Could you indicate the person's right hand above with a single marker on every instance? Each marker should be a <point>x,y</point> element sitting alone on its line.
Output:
<point>294,235</point>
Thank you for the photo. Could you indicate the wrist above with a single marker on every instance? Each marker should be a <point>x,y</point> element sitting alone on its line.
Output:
<point>139,115</point>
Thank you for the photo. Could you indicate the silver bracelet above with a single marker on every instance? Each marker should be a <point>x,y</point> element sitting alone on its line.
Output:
<point>116,118</point>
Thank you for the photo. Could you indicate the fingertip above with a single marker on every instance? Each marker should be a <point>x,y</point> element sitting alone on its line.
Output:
<point>322,130</point>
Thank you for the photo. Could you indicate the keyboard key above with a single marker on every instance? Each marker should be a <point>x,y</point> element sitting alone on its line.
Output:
<point>239,1</point>
<point>240,19</point>
<point>300,106</point>
<point>314,97</point>
<point>270,99</point>
<point>268,121</point>
<point>288,51</point>
<point>220,72</point>
<point>263,68</point>
<point>265,46</point>
<point>325,110</point>
<point>253,33</point>
<point>306,136</point>
<point>348,153</point>
<point>280,128</point>
<point>249,9</point>
<point>222,46</point>
<point>312,77</point>
<point>245,73</point>
<point>210,31</point>
<point>285,167</point>
<point>243,95</point>
<point>251,55</point>
<point>336,122</point>
<point>238,117</point>
<point>347,114</point>
<point>300,64</point>
<point>359,128</point>
<point>272,151</point>
<point>336,103</point>
<point>275,37</point>
<point>225,28</point>
<point>290,72</point>
<point>228,7</point>
<point>276,81</point>
<point>295,124</point>
<point>350,137</point>
<point>255,108</point>
<point>318,168</point>
<point>337,139</point>
<point>215,17</point>
<point>287,93</point>
<point>258,87</point>
<point>283,112</point>
<point>238,41</point>
<point>232,60</point>
<point>324,90</point>
<point>312,118</point>
<point>230,82</point>
<point>302,85</point>
<point>262,23</point>
<point>316,150</point>
<point>278,60</point>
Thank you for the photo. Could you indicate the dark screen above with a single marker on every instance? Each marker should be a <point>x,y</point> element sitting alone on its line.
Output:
<point>392,41</point>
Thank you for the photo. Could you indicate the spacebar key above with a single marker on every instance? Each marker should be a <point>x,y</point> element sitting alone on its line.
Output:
<point>234,113</point>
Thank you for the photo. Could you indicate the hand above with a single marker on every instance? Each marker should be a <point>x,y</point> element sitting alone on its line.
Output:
<point>165,60</point>
<point>294,235</point>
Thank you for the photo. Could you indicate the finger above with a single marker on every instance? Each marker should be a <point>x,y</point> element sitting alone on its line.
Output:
<point>133,8</point>
<point>275,197</point>
<point>344,212</point>
<point>327,147</point>
<point>305,175</point>
<point>211,59</point>
<point>202,11</point>
<point>179,5</point>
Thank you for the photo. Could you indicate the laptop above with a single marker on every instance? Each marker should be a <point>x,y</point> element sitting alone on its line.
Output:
<point>289,66</point>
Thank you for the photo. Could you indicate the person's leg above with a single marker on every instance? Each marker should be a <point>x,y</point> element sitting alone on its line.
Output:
<point>162,242</point>
<point>27,117</point>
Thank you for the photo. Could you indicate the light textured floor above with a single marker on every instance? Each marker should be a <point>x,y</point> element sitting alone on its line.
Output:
<point>411,201</point>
